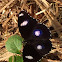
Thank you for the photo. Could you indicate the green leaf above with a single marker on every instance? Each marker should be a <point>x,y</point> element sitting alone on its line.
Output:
<point>14,44</point>
<point>16,59</point>
<point>10,59</point>
<point>19,59</point>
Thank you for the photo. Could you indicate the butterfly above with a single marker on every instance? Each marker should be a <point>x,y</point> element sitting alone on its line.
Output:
<point>35,50</point>
<point>36,37</point>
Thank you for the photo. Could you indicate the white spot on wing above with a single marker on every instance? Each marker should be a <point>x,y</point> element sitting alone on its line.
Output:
<point>21,14</point>
<point>37,33</point>
<point>24,23</point>
<point>39,47</point>
<point>29,57</point>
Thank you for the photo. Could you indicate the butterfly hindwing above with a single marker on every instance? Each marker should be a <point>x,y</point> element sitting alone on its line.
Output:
<point>35,50</point>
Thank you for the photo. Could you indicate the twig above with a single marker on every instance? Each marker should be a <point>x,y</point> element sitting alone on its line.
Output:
<point>40,12</point>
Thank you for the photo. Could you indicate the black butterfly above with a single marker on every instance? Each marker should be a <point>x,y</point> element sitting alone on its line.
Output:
<point>36,35</point>
<point>26,24</point>
<point>35,50</point>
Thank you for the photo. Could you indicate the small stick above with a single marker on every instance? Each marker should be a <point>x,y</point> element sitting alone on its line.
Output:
<point>40,12</point>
